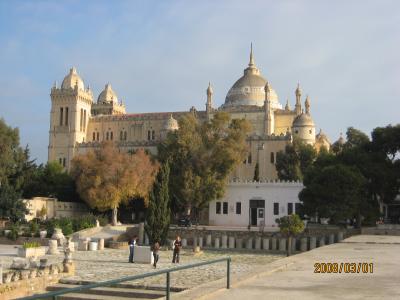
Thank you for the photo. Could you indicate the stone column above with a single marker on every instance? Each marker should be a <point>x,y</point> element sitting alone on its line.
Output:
<point>266,244</point>
<point>273,244</point>
<point>141,233</point>
<point>1,273</point>
<point>200,242</point>
<point>184,242</point>
<point>257,245</point>
<point>340,236</point>
<point>231,244</point>
<point>208,240</point>
<point>313,242</point>
<point>83,245</point>
<point>293,245</point>
<point>249,244</point>
<point>100,245</point>
<point>224,242</point>
<point>303,244</point>
<point>331,239</point>
<point>216,243</point>
<point>146,239</point>
<point>53,247</point>
<point>322,241</point>
<point>239,243</point>
<point>194,242</point>
<point>282,244</point>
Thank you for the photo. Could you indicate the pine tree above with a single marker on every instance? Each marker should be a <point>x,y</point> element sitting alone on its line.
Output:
<point>158,212</point>
<point>257,172</point>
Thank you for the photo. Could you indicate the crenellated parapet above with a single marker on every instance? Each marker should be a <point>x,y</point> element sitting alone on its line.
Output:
<point>265,182</point>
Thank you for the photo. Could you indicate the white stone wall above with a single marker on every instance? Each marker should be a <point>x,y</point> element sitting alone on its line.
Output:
<point>272,192</point>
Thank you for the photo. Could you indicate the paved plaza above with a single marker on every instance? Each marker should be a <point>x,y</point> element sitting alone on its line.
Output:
<point>298,280</point>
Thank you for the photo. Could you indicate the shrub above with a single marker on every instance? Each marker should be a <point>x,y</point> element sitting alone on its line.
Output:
<point>27,245</point>
<point>13,234</point>
<point>34,228</point>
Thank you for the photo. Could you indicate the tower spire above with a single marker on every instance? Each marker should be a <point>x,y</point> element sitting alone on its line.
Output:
<point>251,62</point>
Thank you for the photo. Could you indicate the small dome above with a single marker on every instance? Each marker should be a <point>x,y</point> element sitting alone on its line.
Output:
<point>303,120</point>
<point>72,79</point>
<point>107,95</point>
<point>171,124</point>
<point>341,140</point>
<point>321,136</point>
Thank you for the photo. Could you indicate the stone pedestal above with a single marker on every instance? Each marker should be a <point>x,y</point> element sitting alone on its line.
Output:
<point>266,244</point>
<point>321,241</point>
<point>53,247</point>
<point>184,242</point>
<point>100,245</point>
<point>273,244</point>
<point>208,240</point>
<point>239,243</point>
<point>249,244</point>
<point>59,236</point>
<point>340,236</point>
<point>313,242</point>
<point>231,243</point>
<point>83,245</point>
<point>216,243</point>
<point>143,255</point>
<point>200,242</point>
<point>331,239</point>
<point>303,244</point>
<point>224,242</point>
<point>294,241</point>
<point>282,244</point>
<point>257,245</point>
<point>141,233</point>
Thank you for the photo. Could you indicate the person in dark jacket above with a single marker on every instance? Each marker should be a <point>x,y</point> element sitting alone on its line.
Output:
<point>177,249</point>
<point>156,248</point>
<point>132,243</point>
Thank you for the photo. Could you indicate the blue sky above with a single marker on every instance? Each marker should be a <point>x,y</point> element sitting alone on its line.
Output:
<point>160,56</point>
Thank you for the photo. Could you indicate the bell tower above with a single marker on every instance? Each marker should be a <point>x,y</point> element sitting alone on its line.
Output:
<point>70,112</point>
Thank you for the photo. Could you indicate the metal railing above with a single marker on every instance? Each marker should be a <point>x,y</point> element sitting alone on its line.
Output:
<point>55,294</point>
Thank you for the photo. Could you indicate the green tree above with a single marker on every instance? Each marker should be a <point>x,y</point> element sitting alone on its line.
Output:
<point>105,177</point>
<point>256,172</point>
<point>12,206</point>
<point>294,161</point>
<point>334,191</point>
<point>158,212</point>
<point>203,154</point>
<point>290,226</point>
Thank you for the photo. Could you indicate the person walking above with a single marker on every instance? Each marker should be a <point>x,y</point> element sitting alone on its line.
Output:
<point>132,243</point>
<point>156,256</point>
<point>177,249</point>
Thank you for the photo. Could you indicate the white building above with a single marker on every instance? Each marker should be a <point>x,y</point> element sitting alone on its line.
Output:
<point>255,203</point>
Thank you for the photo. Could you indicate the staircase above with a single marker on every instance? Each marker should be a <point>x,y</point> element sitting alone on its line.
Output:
<point>117,292</point>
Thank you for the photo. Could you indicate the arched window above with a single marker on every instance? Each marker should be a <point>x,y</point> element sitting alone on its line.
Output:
<point>125,136</point>
<point>66,116</point>
<point>121,136</point>
<point>98,136</point>
<point>111,135</point>
<point>94,136</point>
<point>61,116</point>
<point>153,135</point>
<point>148,135</point>
<point>107,135</point>
<point>272,157</point>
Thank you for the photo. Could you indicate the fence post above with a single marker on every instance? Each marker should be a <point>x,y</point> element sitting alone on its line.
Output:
<point>168,285</point>
<point>228,273</point>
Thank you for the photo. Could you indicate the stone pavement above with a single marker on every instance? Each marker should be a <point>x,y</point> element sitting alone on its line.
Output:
<point>299,281</point>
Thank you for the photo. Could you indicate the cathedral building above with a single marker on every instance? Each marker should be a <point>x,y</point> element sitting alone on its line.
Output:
<point>79,123</point>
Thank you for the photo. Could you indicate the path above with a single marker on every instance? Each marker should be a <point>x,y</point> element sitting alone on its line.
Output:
<point>299,281</point>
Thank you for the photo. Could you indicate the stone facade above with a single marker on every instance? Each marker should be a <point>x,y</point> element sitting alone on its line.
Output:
<point>78,124</point>
<point>255,203</point>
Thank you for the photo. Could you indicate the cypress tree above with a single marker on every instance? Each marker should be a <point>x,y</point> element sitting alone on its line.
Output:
<point>158,212</point>
<point>257,173</point>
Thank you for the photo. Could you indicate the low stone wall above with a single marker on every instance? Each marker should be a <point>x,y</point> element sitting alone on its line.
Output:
<point>380,231</point>
<point>22,283</point>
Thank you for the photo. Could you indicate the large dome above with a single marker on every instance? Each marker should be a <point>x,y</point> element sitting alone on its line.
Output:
<point>107,95</point>
<point>72,79</point>
<point>249,89</point>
